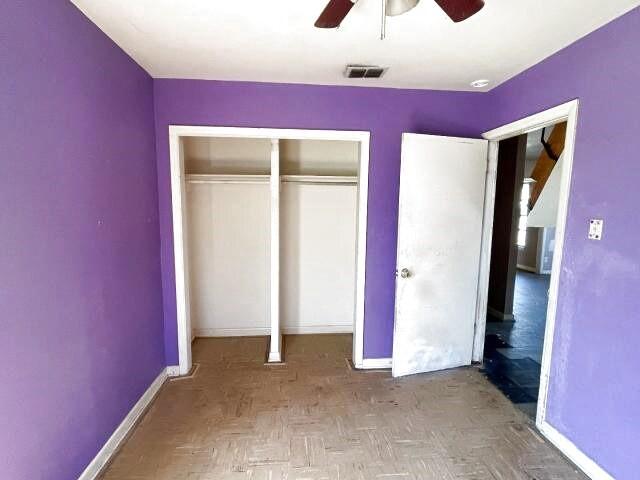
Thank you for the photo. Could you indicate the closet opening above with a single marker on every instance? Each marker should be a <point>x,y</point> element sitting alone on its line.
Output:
<point>269,235</point>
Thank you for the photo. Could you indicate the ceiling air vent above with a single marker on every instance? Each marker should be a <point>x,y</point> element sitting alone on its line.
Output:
<point>364,71</point>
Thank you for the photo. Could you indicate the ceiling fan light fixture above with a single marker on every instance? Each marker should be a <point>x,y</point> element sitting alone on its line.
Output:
<point>398,7</point>
<point>483,82</point>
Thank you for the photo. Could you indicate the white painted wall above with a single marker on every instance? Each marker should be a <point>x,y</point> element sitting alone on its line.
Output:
<point>527,255</point>
<point>229,234</point>
<point>319,157</point>
<point>545,211</point>
<point>548,240</point>
<point>318,257</point>
<point>229,241</point>
<point>537,255</point>
<point>220,155</point>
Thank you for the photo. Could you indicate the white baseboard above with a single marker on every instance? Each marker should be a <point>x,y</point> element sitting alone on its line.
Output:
<point>375,363</point>
<point>231,332</point>
<point>499,314</point>
<point>120,434</point>
<point>173,371</point>
<point>527,268</point>
<point>311,329</point>
<point>274,357</point>
<point>573,453</point>
<point>254,332</point>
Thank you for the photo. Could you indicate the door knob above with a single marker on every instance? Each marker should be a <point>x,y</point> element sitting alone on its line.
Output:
<point>405,273</point>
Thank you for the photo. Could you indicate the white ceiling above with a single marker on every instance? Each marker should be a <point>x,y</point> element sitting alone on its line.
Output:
<point>275,40</point>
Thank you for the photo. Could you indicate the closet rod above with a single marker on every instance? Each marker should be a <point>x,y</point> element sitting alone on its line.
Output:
<point>320,179</point>
<point>228,179</point>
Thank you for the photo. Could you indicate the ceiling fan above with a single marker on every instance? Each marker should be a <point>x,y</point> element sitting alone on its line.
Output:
<point>336,10</point>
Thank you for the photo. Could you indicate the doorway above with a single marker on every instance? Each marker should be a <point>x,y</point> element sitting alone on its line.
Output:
<point>568,113</point>
<point>446,216</point>
<point>523,240</point>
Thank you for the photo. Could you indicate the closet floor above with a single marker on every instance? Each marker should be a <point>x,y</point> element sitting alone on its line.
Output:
<point>316,418</point>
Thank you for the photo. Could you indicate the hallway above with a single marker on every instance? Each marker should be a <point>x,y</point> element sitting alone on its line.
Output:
<point>513,349</point>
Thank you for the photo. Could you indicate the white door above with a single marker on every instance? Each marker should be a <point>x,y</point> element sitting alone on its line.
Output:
<point>442,182</point>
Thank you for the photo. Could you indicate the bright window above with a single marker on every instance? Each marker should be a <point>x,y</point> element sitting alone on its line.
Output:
<point>524,211</point>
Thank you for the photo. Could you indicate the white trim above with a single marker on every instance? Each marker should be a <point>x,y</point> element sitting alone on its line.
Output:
<point>229,179</point>
<point>320,179</point>
<point>361,261</point>
<point>266,331</point>
<point>180,252</point>
<point>268,133</point>
<point>497,314</point>
<point>533,122</point>
<point>527,268</point>
<point>179,230</point>
<point>375,363</point>
<point>554,281</point>
<point>275,344</point>
<point>173,371</point>
<point>231,332</point>
<point>274,357</point>
<point>566,112</point>
<point>319,330</point>
<point>573,453</point>
<point>191,374</point>
<point>485,254</point>
<point>542,247</point>
<point>114,442</point>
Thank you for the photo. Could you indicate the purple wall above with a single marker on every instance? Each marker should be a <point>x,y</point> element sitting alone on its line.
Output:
<point>594,394</point>
<point>597,321</point>
<point>80,297</point>
<point>80,289</point>
<point>386,113</point>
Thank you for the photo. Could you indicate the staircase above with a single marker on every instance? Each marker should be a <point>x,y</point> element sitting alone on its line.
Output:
<point>554,147</point>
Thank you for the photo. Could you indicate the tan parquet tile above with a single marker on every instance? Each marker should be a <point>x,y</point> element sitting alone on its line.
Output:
<point>315,418</point>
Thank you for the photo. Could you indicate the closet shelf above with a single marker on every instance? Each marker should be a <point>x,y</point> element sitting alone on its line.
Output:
<point>259,179</point>
<point>217,178</point>
<point>320,179</point>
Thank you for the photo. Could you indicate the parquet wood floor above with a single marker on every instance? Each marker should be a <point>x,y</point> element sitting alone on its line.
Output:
<point>316,418</point>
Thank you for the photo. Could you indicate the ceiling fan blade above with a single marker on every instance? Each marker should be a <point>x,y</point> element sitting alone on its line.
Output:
<point>334,13</point>
<point>459,10</point>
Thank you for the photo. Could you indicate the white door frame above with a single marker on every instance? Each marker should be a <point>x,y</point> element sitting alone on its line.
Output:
<point>180,245</point>
<point>566,112</point>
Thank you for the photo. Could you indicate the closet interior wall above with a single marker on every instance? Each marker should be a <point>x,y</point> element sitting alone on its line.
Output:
<point>318,208</point>
<point>228,232</point>
<point>237,285</point>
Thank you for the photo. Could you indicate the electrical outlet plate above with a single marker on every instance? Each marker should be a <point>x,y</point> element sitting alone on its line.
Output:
<point>595,228</point>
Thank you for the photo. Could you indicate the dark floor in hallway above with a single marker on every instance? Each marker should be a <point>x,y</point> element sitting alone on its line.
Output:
<point>513,349</point>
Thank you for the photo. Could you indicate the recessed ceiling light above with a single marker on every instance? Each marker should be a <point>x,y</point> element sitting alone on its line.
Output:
<point>480,83</point>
